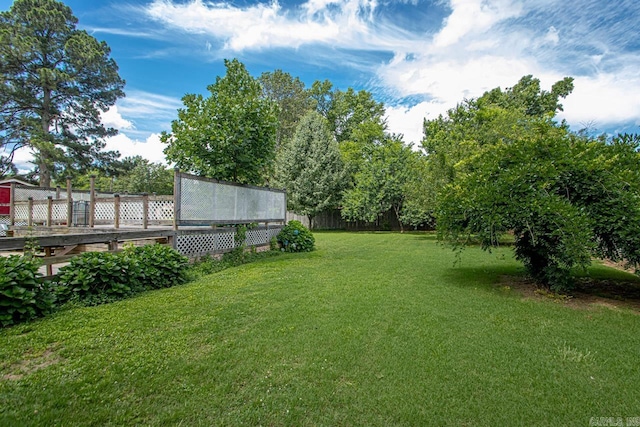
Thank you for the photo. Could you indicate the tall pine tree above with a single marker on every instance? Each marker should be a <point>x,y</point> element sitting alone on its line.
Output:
<point>55,82</point>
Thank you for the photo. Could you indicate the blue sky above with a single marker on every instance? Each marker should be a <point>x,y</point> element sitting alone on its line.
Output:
<point>418,57</point>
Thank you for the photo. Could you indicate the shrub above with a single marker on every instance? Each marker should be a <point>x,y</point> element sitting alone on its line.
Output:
<point>23,295</point>
<point>161,266</point>
<point>99,277</point>
<point>295,237</point>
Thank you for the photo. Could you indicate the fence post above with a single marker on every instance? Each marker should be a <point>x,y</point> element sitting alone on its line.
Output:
<point>57,191</point>
<point>12,203</point>
<point>92,202</point>
<point>49,210</point>
<point>177,189</point>
<point>116,211</point>
<point>69,202</point>
<point>30,215</point>
<point>145,210</point>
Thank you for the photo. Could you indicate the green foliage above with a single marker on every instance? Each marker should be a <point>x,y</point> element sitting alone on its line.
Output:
<point>349,109</point>
<point>295,237</point>
<point>292,99</point>
<point>565,198</point>
<point>310,168</point>
<point>23,295</point>
<point>161,266</point>
<point>99,277</point>
<point>56,80</point>
<point>230,135</point>
<point>381,183</point>
<point>133,175</point>
<point>209,265</point>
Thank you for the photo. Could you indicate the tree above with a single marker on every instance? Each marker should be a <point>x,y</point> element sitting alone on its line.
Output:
<point>130,175</point>
<point>310,168</point>
<point>56,80</point>
<point>381,182</point>
<point>494,117</point>
<point>230,135</point>
<point>565,197</point>
<point>292,99</point>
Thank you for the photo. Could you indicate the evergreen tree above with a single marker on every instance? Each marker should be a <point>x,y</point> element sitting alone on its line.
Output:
<point>56,80</point>
<point>310,168</point>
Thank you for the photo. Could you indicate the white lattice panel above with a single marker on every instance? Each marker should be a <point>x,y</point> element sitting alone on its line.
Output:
<point>21,211</point>
<point>131,211</point>
<point>160,210</point>
<point>256,237</point>
<point>196,244</point>
<point>80,196</point>
<point>59,212</point>
<point>105,211</point>
<point>225,241</point>
<point>40,212</point>
<point>273,232</point>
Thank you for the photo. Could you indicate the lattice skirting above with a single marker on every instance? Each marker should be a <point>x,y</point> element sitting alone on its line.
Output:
<point>195,243</point>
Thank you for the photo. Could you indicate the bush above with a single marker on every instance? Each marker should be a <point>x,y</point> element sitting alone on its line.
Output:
<point>99,277</point>
<point>295,237</point>
<point>23,295</point>
<point>161,266</point>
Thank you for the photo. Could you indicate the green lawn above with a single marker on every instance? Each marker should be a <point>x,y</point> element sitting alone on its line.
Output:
<point>370,329</point>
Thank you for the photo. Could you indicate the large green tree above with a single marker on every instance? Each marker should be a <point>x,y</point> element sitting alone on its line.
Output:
<point>229,135</point>
<point>292,99</point>
<point>510,168</point>
<point>56,80</point>
<point>310,167</point>
<point>497,116</point>
<point>564,197</point>
<point>381,182</point>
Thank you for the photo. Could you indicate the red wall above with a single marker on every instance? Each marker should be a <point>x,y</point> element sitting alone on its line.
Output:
<point>5,197</point>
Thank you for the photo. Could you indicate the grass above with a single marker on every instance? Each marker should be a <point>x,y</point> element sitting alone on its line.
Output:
<point>370,329</point>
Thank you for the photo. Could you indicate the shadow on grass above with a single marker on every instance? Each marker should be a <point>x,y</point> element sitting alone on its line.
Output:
<point>488,276</point>
<point>599,284</point>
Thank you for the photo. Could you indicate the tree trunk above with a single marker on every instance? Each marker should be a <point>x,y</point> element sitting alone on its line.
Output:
<point>396,210</point>
<point>310,217</point>
<point>43,163</point>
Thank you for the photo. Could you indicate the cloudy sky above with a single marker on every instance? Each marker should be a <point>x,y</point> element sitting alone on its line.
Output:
<point>418,57</point>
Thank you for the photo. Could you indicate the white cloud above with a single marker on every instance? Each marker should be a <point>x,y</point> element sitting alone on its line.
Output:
<point>480,45</point>
<point>604,99</point>
<point>449,81</point>
<point>140,104</point>
<point>150,149</point>
<point>473,17</point>
<point>268,25</point>
<point>112,118</point>
<point>408,120</point>
<point>553,36</point>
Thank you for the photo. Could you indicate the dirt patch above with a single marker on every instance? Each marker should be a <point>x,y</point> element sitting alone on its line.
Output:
<point>31,363</point>
<point>588,293</point>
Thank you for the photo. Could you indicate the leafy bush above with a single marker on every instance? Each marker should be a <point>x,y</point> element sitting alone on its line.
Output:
<point>161,266</point>
<point>23,295</point>
<point>295,237</point>
<point>99,277</point>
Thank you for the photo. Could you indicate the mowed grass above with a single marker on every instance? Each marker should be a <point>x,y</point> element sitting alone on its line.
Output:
<point>370,329</point>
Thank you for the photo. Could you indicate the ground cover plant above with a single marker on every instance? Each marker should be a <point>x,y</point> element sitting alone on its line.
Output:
<point>369,329</point>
